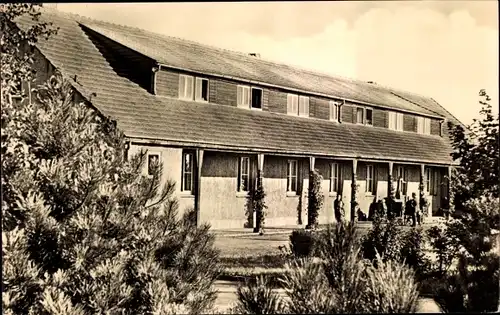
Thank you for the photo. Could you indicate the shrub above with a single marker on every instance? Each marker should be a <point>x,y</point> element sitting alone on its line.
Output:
<point>258,298</point>
<point>390,288</point>
<point>315,199</point>
<point>412,251</point>
<point>384,238</point>
<point>302,243</point>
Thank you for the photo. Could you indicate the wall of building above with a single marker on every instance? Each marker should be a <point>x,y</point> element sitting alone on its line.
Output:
<point>167,83</point>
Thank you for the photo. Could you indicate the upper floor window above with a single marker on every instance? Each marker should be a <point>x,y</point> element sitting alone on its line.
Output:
<point>360,115</point>
<point>201,90</point>
<point>396,121</point>
<point>249,97</point>
<point>370,182</point>
<point>424,125</point>
<point>291,176</point>
<point>334,177</point>
<point>297,105</point>
<point>334,111</point>
<point>187,172</point>
<point>369,116</point>
<point>193,88</point>
<point>153,161</point>
<point>243,173</point>
<point>186,86</point>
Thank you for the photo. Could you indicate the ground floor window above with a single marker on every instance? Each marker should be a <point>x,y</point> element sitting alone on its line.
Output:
<point>334,177</point>
<point>243,173</point>
<point>187,172</point>
<point>291,176</point>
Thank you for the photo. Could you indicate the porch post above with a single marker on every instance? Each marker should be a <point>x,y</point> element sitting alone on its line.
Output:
<point>353,189</point>
<point>421,190</point>
<point>312,162</point>
<point>450,199</point>
<point>390,192</point>
<point>199,164</point>
<point>258,182</point>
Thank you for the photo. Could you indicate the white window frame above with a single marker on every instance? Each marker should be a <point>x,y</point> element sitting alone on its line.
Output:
<point>184,86</point>
<point>184,173</point>
<point>261,98</point>
<point>396,121</point>
<point>198,90</point>
<point>303,110</point>
<point>427,126</point>
<point>424,125</point>
<point>362,115</point>
<point>290,178</point>
<point>292,104</point>
<point>370,179</point>
<point>334,111</point>
<point>243,160</point>
<point>335,177</point>
<point>365,116</point>
<point>241,100</point>
<point>420,125</point>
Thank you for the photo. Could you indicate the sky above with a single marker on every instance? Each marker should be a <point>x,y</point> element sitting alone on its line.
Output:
<point>447,50</point>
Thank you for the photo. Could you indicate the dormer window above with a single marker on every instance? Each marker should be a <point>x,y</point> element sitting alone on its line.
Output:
<point>360,115</point>
<point>334,111</point>
<point>201,90</point>
<point>297,105</point>
<point>369,116</point>
<point>396,121</point>
<point>249,97</point>
<point>186,87</point>
<point>188,90</point>
<point>424,125</point>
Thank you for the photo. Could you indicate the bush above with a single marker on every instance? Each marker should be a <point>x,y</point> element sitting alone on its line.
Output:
<point>302,243</point>
<point>315,199</point>
<point>384,238</point>
<point>258,298</point>
<point>412,252</point>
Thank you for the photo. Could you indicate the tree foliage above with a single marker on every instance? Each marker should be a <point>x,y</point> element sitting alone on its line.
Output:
<point>85,230</point>
<point>315,198</point>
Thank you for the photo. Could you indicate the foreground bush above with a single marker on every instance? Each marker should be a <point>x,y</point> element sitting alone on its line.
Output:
<point>84,229</point>
<point>258,298</point>
<point>338,281</point>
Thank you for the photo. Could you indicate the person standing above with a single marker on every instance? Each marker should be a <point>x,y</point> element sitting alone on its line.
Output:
<point>338,208</point>
<point>411,208</point>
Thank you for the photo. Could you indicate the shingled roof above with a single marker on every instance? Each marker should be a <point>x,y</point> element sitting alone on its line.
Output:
<point>143,115</point>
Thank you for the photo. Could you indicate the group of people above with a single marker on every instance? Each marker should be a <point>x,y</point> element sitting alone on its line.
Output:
<point>379,207</point>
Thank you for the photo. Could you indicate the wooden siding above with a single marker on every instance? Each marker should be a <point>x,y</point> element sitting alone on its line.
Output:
<point>409,122</point>
<point>167,83</point>
<point>348,112</point>
<point>225,92</point>
<point>321,108</point>
<point>435,127</point>
<point>277,101</point>
<point>380,118</point>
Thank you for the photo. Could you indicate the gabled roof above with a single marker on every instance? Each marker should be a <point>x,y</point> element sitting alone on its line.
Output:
<point>143,115</point>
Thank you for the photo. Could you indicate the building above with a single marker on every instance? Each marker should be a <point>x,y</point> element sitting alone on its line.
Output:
<point>214,117</point>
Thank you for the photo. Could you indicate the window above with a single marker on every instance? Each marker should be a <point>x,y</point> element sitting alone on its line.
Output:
<point>291,176</point>
<point>431,181</point>
<point>201,90</point>
<point>424,125</point>
<point>304,106</point>
<point>334,177</point>
<point>243,97</point>
<point>187,172</point>
<point>186,87</point>
<point>292,104</point>
<point>369,116</point>
<point>243,173</point>
<point>359,115</point>
<point>256,98</point>
<point>403,174</point>
<point>396,121</point>
<point>370,182</point>
<point>153,160</point>
<point>334,111</point>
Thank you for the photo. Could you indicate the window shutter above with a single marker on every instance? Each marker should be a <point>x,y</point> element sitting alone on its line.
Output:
<point>198,88</point>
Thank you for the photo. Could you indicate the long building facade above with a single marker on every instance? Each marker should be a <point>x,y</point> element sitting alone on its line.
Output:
<point>216,117</point>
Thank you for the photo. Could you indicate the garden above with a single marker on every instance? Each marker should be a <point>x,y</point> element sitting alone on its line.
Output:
<point>85,231</point>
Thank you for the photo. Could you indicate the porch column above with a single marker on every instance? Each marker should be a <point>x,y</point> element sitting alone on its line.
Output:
<point>421,190</point>
<point>353,189</point>
<point>390,192</point>
<point>258,182</point>
<point>312,161</point>
<point>199,164</point>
